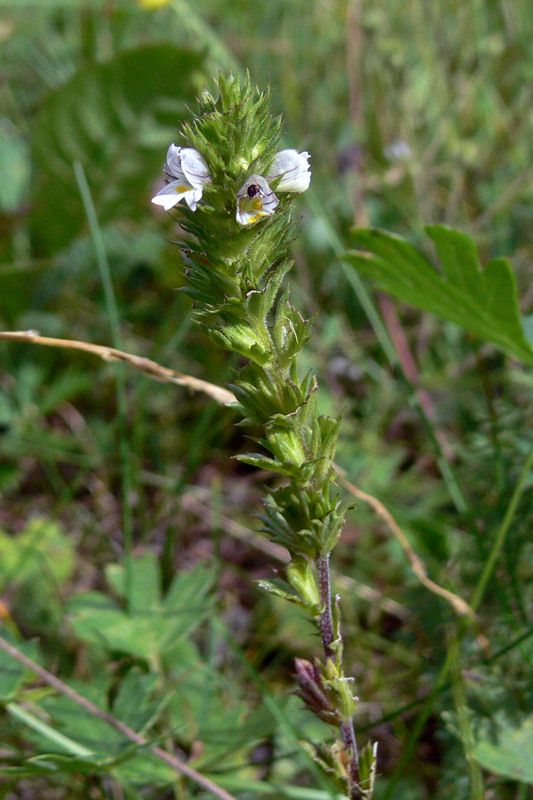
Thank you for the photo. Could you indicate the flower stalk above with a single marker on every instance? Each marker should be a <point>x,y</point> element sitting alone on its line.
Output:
<point>239,190</point>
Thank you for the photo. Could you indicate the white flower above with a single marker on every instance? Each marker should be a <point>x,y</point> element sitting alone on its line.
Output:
<point>293,169</point>
<point>255,199</point>
<point>189,173</point>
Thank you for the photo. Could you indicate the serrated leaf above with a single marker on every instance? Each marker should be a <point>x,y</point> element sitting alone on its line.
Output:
<point>148,630</point>
<point>483,301</point>
<point>189,588</point>
<point>138,635</point>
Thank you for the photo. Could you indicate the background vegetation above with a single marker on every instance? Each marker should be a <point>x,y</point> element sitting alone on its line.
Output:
<point>414,114</point>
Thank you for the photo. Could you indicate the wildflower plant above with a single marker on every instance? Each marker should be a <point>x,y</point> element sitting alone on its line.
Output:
<point>238,189</point>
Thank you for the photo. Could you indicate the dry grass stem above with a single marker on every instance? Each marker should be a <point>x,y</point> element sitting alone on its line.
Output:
<point>145,365</point>
<point>459,605</point>
<point>225,397</point>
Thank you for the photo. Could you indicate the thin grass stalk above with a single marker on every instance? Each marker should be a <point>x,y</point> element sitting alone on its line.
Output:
<point>122,403</point>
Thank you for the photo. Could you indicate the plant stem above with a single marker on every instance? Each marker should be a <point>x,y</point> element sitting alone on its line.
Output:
<point>327,632</point>
<point>326,618</point>
<point>348,737</point>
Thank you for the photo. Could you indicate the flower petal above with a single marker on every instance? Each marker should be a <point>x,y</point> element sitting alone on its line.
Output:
<point>173,163</point>
<point>194,167</point>
<point>185,163</point>
<point>193,197</point>
<point>255,199</point>
<point>173,192</point>
<point>293,169</point>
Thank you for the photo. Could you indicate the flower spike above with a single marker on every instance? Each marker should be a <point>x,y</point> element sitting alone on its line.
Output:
<point>188,172</point>
<point>255,199</point>
<point>292,168</point>
<point>235,276</point>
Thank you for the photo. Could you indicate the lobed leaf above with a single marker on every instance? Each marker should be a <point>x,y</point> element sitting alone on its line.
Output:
<point>483,301</point>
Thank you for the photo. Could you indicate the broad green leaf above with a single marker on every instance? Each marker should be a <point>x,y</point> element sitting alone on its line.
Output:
<point>116,119</point>
<point>511,755</point>
<point>132,766</point>
<point>145,581</point>
<point>236,783</point>
<point>89,732</point>
<point>483,301</point>
<point>152,627</point>
<point>95,744</point>
<point>138,634</point>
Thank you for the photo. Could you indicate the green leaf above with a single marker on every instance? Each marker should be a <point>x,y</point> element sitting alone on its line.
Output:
<point>367,769</point>
<point>510,756</point>
<point>138,635</point>
<point>145,581</point>
<point>153,626</point>
<point>264,462</point>
<point>205,707</point>
<point>133,704</point>
<point>484,302</point>
<point>12,673</point>
<point>14,167</point>
<point>49,733</point>
<point>143,768</point>
<point>53,763</point>
<point>189,589</point>
<point>271,588</point>
<point>117,119</point>
<point>41,550</point>
<point>111,751</point>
